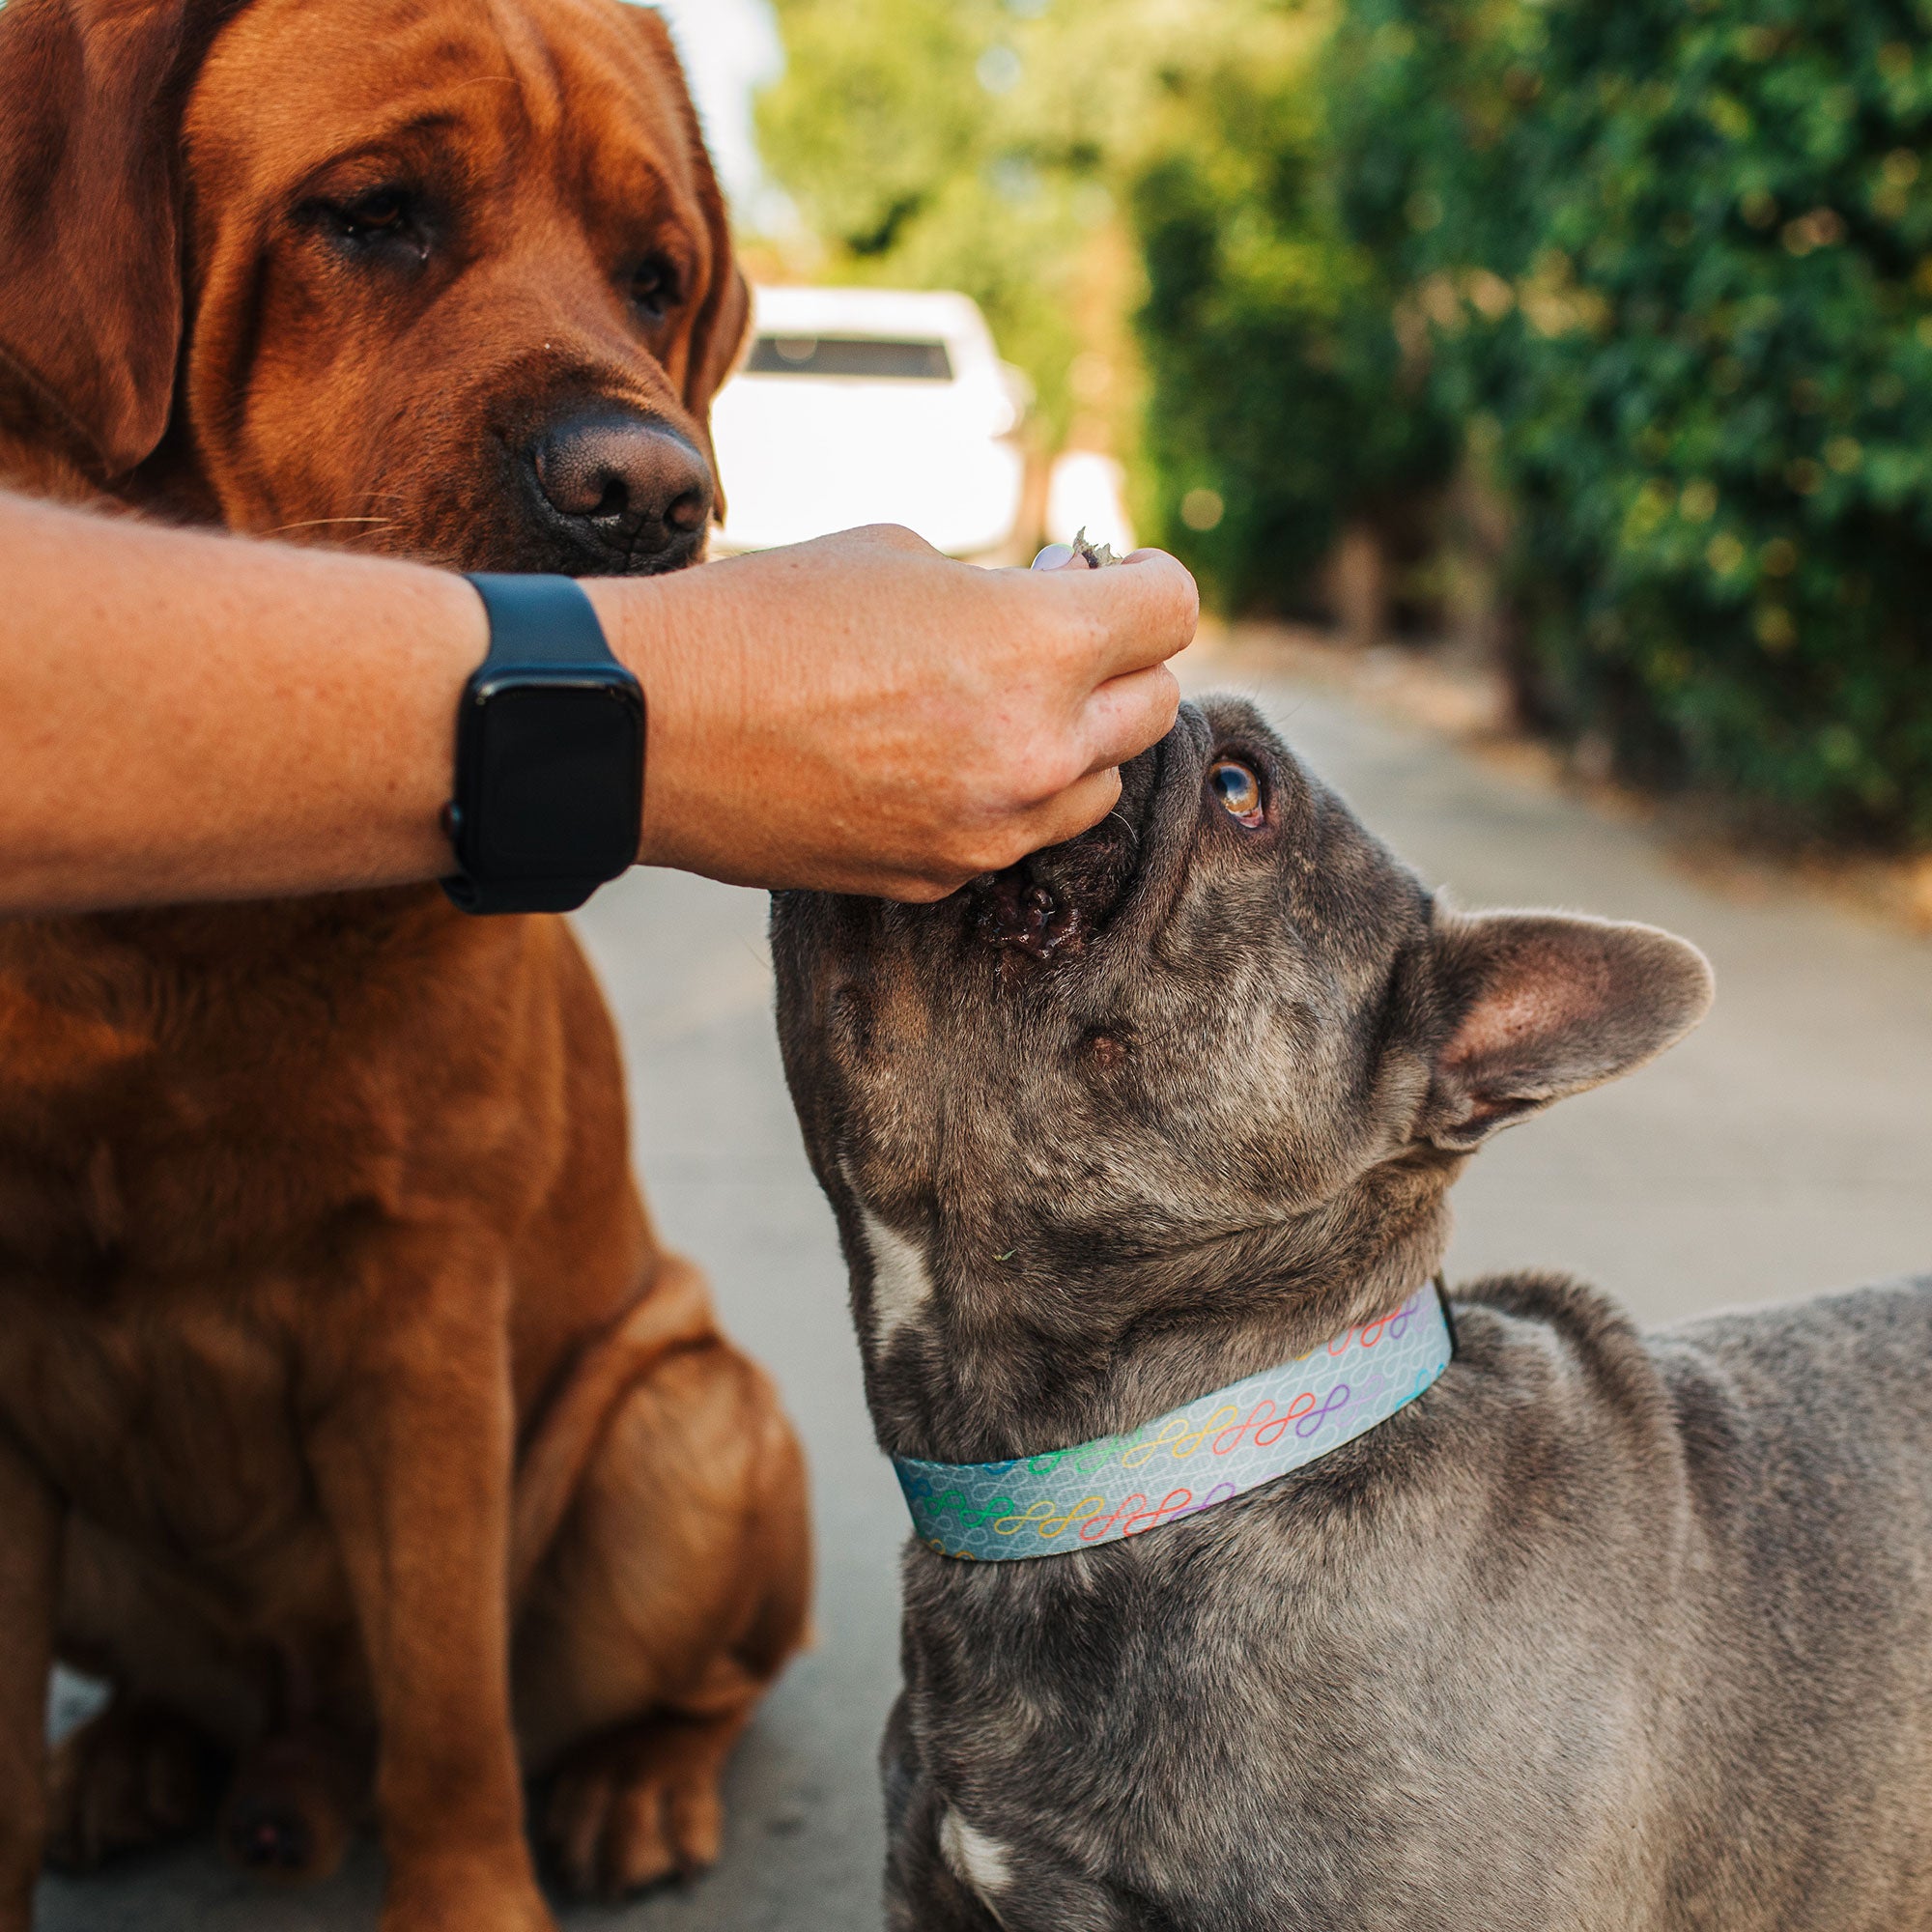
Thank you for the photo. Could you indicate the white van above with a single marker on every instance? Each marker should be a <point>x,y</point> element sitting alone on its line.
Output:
<point>870,405</point>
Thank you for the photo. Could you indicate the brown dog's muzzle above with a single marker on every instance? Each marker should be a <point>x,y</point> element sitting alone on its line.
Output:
<point>618,492</point>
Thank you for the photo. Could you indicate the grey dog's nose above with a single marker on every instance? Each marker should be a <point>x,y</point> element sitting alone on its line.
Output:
<point>634,486</point>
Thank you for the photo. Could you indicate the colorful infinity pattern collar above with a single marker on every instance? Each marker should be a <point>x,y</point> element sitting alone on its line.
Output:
<point>1189,1459</point>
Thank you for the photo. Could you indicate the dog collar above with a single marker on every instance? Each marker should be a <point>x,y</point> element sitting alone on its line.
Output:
<point>1189,1459</point>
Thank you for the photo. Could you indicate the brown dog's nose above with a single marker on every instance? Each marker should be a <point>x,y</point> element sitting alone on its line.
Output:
<point>637,489</point>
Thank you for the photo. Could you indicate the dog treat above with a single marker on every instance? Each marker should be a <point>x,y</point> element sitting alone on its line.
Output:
<point>1058,556</point>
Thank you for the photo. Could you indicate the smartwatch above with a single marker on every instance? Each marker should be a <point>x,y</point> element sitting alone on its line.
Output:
<point>549,756</point>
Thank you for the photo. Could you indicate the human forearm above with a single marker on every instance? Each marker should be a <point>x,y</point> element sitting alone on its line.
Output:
<point>185,716</point>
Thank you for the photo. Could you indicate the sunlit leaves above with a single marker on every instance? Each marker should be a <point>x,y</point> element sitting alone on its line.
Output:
<point>1713,392</point>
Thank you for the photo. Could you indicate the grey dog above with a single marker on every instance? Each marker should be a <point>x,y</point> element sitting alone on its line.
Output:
<point>1600,1630</point>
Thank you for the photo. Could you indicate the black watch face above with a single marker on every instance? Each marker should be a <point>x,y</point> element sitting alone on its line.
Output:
<point>559,771</point>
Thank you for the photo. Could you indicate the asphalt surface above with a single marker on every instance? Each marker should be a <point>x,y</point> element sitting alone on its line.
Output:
<point>1786,1147</point>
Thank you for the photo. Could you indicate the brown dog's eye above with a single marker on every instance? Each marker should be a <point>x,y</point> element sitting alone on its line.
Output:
<point>1238,790</point>
<point>378,230</point>
<point>382,213</point>
<point>654,287</point>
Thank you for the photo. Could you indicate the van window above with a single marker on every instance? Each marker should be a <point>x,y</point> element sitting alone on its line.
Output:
<point>868,356</point>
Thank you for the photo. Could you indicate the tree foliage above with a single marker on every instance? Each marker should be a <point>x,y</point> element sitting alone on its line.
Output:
<point>1068,161</point>
<point>962,144</point>
<point>1661,271</point>
<point>1674,264</point>
<point>1279,402</point>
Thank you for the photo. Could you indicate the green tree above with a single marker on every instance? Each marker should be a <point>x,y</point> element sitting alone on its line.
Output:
<point>1674,261</point>
<point>960,143</point>
<point>1281,401</point>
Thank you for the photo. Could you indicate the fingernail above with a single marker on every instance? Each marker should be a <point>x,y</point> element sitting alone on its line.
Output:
<point>1055,557</point>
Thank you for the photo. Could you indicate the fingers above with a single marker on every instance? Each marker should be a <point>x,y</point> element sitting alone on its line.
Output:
<point>1078,808</point>
<point>874,659</point>
<point>1133,708</point>
<point>1127,713</point>
<point>1154,607</point>
<point>1146,610</point>
<point>1066,815</point>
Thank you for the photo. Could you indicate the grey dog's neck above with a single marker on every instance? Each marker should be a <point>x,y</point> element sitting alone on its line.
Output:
<point>1012,1356</point>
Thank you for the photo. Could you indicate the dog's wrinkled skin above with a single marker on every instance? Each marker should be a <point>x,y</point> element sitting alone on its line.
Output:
<point>349,270</point>
<point>1600,1631</point>
<point>352,1425</point>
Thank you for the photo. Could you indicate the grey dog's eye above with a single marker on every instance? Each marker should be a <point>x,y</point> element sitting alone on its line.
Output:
<point>1238,790</point>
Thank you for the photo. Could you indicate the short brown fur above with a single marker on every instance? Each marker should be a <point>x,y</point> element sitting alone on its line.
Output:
<point>328,1301</point>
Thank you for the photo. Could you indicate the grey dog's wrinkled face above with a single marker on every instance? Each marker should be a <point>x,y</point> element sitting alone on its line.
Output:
<point>1224,1035</point>
<point>1150,1034</point>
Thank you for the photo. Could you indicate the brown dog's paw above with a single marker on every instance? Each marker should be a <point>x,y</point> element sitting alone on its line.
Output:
<point>639,1806</point>
<point>473,1899</point>
<point>132,1779</point>
<point>289,1811</point>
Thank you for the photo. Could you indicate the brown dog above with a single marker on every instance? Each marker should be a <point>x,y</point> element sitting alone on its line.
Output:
<point>351,1421</point>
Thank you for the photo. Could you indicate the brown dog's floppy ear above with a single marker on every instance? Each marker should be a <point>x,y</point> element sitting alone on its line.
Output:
<point>718,335</point>
<point>716,344</point>
<point>719,338</point>
<point>1543,1005</point>
<point>91,97</point>
<point>724,313</point>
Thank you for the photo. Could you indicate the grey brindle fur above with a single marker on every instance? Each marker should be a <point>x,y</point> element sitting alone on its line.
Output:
<point>1604,1631</point>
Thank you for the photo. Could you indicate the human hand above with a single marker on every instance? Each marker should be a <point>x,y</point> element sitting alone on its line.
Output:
<point>861,713</point>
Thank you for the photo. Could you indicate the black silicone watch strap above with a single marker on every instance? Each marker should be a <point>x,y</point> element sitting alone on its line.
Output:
<point>546,626</point>
<point>539,620</point>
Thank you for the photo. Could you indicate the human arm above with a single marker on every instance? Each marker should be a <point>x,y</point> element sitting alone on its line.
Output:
<point>187,716</point>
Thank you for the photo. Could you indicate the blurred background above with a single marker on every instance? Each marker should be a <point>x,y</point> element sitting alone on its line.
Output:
<point>1542,394</point>
<point>1596,341</point>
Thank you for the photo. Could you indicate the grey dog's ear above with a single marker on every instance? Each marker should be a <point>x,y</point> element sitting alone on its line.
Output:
<point>1540,1006</point>
<point>91,95</point>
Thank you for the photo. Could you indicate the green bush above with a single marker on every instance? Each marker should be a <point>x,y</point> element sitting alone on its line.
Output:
<point>1673,262</point>
<point>1279,406</point>
<point>1660,271</point>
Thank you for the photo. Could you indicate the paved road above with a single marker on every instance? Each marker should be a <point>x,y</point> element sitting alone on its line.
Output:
<point>1787,1146</point>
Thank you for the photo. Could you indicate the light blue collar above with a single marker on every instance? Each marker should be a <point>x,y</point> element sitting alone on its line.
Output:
<point>1233,1440</point>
